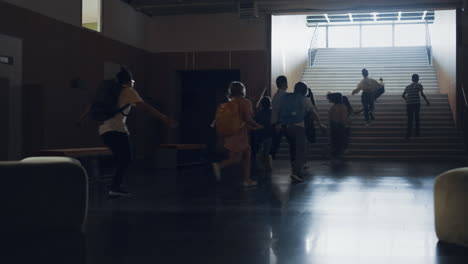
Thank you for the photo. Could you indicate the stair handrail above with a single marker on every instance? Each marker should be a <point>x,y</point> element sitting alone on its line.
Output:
<point>462,115</point>
<point>428,43</point>
<point>313,46</point>
<point>464,95</point>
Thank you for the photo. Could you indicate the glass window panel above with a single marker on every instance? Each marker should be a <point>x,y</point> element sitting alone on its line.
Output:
<point>91,14</point>
<point>377,36</point>
<point>343,37</point>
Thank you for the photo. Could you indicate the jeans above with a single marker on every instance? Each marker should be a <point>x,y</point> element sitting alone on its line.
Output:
<point>338,139</point>
<point>347,137</point>
<point>367,99</point>
<point>412,112</point>
<point>119,143</point>
<point>297,136</point>
<point>276,141</point>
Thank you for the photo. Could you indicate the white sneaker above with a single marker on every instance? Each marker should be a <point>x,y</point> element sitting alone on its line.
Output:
<point>216,171</point>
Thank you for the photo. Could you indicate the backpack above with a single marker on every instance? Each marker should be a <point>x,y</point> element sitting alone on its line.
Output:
<point>228,119</point>
<point>104,106</point>
<point>263,117</point>
<point>292,109</point>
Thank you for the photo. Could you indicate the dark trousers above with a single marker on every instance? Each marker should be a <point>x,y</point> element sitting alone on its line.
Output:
<point>412,112</point>
<point>119,143</point>
<point>297,137</point>
<point>367,99</point>
<point>347,137</point>
<point>277,137</point>
<point>338,140</point>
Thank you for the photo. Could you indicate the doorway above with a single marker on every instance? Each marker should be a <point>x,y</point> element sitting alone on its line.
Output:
<point>201,93</point>
<point>11,71</point>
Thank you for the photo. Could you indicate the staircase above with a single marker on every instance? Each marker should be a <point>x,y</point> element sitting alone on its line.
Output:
<point>339,70</point>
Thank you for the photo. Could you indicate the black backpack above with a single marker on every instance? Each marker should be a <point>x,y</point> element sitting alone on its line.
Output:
<point>105,106</point>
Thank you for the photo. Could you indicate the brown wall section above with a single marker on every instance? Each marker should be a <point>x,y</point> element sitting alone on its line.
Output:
<point>54,53</point>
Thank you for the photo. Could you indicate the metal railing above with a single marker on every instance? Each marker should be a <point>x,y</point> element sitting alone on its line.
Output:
<point>313,46</point>
<point>428,44</point>
<point>462,114</point>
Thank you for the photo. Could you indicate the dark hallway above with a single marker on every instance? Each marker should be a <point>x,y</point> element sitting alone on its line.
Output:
<point>366,212</point>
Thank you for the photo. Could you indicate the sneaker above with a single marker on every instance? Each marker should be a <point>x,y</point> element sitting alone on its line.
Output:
<point>216,171</point>
<point>296,177</point>
<point>367,124</point>
<point>119,193</point>
<point>249,183</point>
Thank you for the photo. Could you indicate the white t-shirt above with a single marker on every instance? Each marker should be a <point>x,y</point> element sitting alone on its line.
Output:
<point>117,123</point>
<point>275,105</point>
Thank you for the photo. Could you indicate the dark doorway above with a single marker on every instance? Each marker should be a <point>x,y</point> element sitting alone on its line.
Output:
<point>202,92</point>
<point>4,117</point>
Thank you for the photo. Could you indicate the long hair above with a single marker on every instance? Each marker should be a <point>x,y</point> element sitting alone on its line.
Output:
<point>348,105</point>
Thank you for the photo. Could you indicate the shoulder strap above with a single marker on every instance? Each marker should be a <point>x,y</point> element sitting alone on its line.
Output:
<point>120,110</point>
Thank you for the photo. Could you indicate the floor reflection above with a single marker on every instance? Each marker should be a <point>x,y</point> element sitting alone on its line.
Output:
<point>363,212</point>
<point>43,247</point>
<point>357,219</point>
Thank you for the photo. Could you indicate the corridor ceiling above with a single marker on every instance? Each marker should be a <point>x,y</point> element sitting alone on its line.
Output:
<point>186,7</point>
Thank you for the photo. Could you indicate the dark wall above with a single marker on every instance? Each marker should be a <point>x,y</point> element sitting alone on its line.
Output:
<point>54,53</point>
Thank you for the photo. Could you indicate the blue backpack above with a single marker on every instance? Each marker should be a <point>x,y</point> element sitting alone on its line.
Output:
<point>292,109</point>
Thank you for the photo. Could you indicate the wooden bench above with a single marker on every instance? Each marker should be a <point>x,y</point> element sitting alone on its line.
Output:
<point>89,158</point>
<point>176,156</point>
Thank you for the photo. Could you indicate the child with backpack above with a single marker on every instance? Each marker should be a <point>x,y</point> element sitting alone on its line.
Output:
<point>293,110</point>
<point>112,104</point>
<point>262,138</point>
<point>338,118</point>
<point>233,122</point>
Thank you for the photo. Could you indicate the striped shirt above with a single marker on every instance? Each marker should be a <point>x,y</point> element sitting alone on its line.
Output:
<point>412,93</point>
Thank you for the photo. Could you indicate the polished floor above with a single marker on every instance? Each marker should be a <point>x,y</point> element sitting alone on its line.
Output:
<point>362,212</point>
